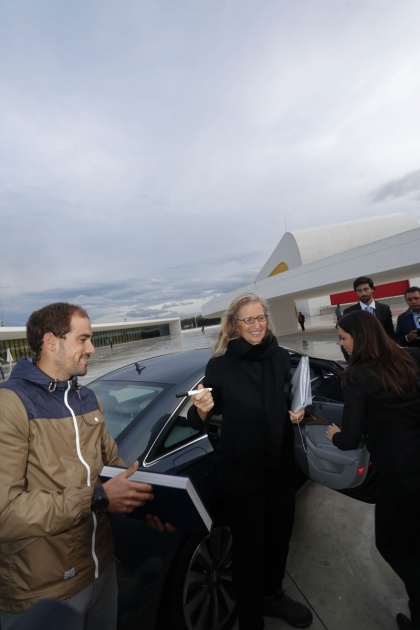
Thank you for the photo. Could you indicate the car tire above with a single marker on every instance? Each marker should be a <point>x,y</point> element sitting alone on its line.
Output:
<point>199,589</point>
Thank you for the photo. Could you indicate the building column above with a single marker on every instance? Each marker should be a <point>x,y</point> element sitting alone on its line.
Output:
<point>284,316</point>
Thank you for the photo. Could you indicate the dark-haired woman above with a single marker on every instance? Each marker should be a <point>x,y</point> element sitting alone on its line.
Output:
<point>382,401</point>
<point>249,374</point>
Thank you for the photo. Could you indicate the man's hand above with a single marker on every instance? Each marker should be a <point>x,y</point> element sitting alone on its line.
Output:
<point>125,495</point>
<point>155,523</point>
<point>412,335</point>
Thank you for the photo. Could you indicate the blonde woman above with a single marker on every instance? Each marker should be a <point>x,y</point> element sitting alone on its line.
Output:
<point>249,375</point>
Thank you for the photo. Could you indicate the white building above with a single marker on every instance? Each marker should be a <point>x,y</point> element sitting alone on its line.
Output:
<point>308,266</point>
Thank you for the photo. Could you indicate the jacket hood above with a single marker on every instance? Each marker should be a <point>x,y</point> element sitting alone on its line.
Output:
<point>26,370</point>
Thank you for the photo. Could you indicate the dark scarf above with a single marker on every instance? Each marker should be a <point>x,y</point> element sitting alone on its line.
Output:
<point>270,371</point>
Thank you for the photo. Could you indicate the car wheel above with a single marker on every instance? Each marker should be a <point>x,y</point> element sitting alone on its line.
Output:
<point>199,590</point>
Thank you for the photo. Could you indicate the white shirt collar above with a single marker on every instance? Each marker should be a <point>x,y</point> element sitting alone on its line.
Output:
<point>363,306</point>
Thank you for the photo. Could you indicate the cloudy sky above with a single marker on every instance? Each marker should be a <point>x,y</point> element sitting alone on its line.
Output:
<point>154,152</point>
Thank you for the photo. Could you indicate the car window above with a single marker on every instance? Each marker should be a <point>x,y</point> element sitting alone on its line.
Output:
<point>180,431</point>
<point>124,401</point>
<point>314,372</point>
<point>326,386</point>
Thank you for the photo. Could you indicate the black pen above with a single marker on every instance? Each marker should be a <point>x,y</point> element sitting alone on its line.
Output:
<point>193,392</point>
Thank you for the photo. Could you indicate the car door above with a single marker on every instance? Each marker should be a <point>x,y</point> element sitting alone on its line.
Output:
<point>316,456</point>
<point>185,449</point>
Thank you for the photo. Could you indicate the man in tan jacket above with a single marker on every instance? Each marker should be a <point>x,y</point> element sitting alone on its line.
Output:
<point>55,537</point>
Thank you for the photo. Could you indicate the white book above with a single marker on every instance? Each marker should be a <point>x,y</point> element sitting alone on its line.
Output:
<point>176,500</point>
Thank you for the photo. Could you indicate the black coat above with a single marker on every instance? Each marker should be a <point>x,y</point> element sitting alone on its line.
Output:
<point>382,312</point>
<point>391,425</point>
<point>245,434</point>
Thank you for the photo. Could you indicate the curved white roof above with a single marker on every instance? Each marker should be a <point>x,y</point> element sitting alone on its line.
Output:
<point>305,246</point>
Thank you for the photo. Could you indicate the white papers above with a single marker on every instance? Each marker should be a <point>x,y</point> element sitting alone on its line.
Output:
<point>301,386</point>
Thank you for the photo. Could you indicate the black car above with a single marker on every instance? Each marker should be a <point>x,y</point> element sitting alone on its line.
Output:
<point>183,580</point>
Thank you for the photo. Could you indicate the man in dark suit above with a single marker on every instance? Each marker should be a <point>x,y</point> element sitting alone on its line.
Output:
<point>364,289</point>
<point>408,323</point>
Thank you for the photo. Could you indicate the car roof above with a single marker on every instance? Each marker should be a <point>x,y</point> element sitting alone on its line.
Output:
<point>174,367</point>
<point>165,368</point>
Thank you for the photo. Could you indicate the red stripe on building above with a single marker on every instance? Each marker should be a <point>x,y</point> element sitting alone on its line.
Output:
<point>391,289</point>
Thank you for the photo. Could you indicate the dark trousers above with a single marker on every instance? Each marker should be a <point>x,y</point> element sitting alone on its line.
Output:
<point>397,518</point>
<point>261,524</point>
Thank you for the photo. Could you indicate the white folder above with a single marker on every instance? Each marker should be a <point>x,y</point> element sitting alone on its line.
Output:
<point>301,385</point>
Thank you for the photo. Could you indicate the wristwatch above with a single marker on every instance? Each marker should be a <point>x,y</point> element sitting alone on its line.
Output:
<point>100,501</point>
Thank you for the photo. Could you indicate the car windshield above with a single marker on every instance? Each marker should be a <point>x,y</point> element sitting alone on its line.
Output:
<point>123,401</point>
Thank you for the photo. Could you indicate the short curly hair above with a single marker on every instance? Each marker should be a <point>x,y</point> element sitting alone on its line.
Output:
<point>55,318</point>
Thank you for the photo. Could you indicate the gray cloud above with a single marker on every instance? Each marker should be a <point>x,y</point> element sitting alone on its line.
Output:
<point>397,188</point>
<point>153,154</point>
<point>139,297</point>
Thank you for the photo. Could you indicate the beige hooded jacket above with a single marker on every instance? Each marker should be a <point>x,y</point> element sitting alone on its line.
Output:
<point>53,445</point>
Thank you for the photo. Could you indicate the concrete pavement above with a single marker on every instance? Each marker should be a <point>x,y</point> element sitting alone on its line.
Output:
<point>334,565</point>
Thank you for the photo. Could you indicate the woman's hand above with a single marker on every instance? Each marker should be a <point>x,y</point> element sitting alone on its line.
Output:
<point>155,523</point>
<point>297,416</point>
<point>203,402</point>
<point>332,430</point>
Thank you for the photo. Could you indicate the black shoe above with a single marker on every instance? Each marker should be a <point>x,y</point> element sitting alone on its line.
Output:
<point>404,623</point>
<point>281,605</point>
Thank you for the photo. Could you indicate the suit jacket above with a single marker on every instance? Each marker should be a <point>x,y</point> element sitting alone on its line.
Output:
<point>382,312</point>
<point>405,324</point>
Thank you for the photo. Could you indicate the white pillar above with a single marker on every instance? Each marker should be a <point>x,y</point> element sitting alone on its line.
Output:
<point>284,316</point>
<point>175,328</point>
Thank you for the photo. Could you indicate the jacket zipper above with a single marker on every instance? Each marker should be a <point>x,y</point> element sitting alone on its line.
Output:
<point>88,483</point>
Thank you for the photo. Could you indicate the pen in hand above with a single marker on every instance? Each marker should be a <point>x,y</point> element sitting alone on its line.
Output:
<point>193,392</point>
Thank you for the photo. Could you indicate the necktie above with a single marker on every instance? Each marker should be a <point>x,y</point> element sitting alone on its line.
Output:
<point>370,310</point>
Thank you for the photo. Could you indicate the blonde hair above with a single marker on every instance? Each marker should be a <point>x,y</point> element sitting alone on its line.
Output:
<point>229,325</point>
